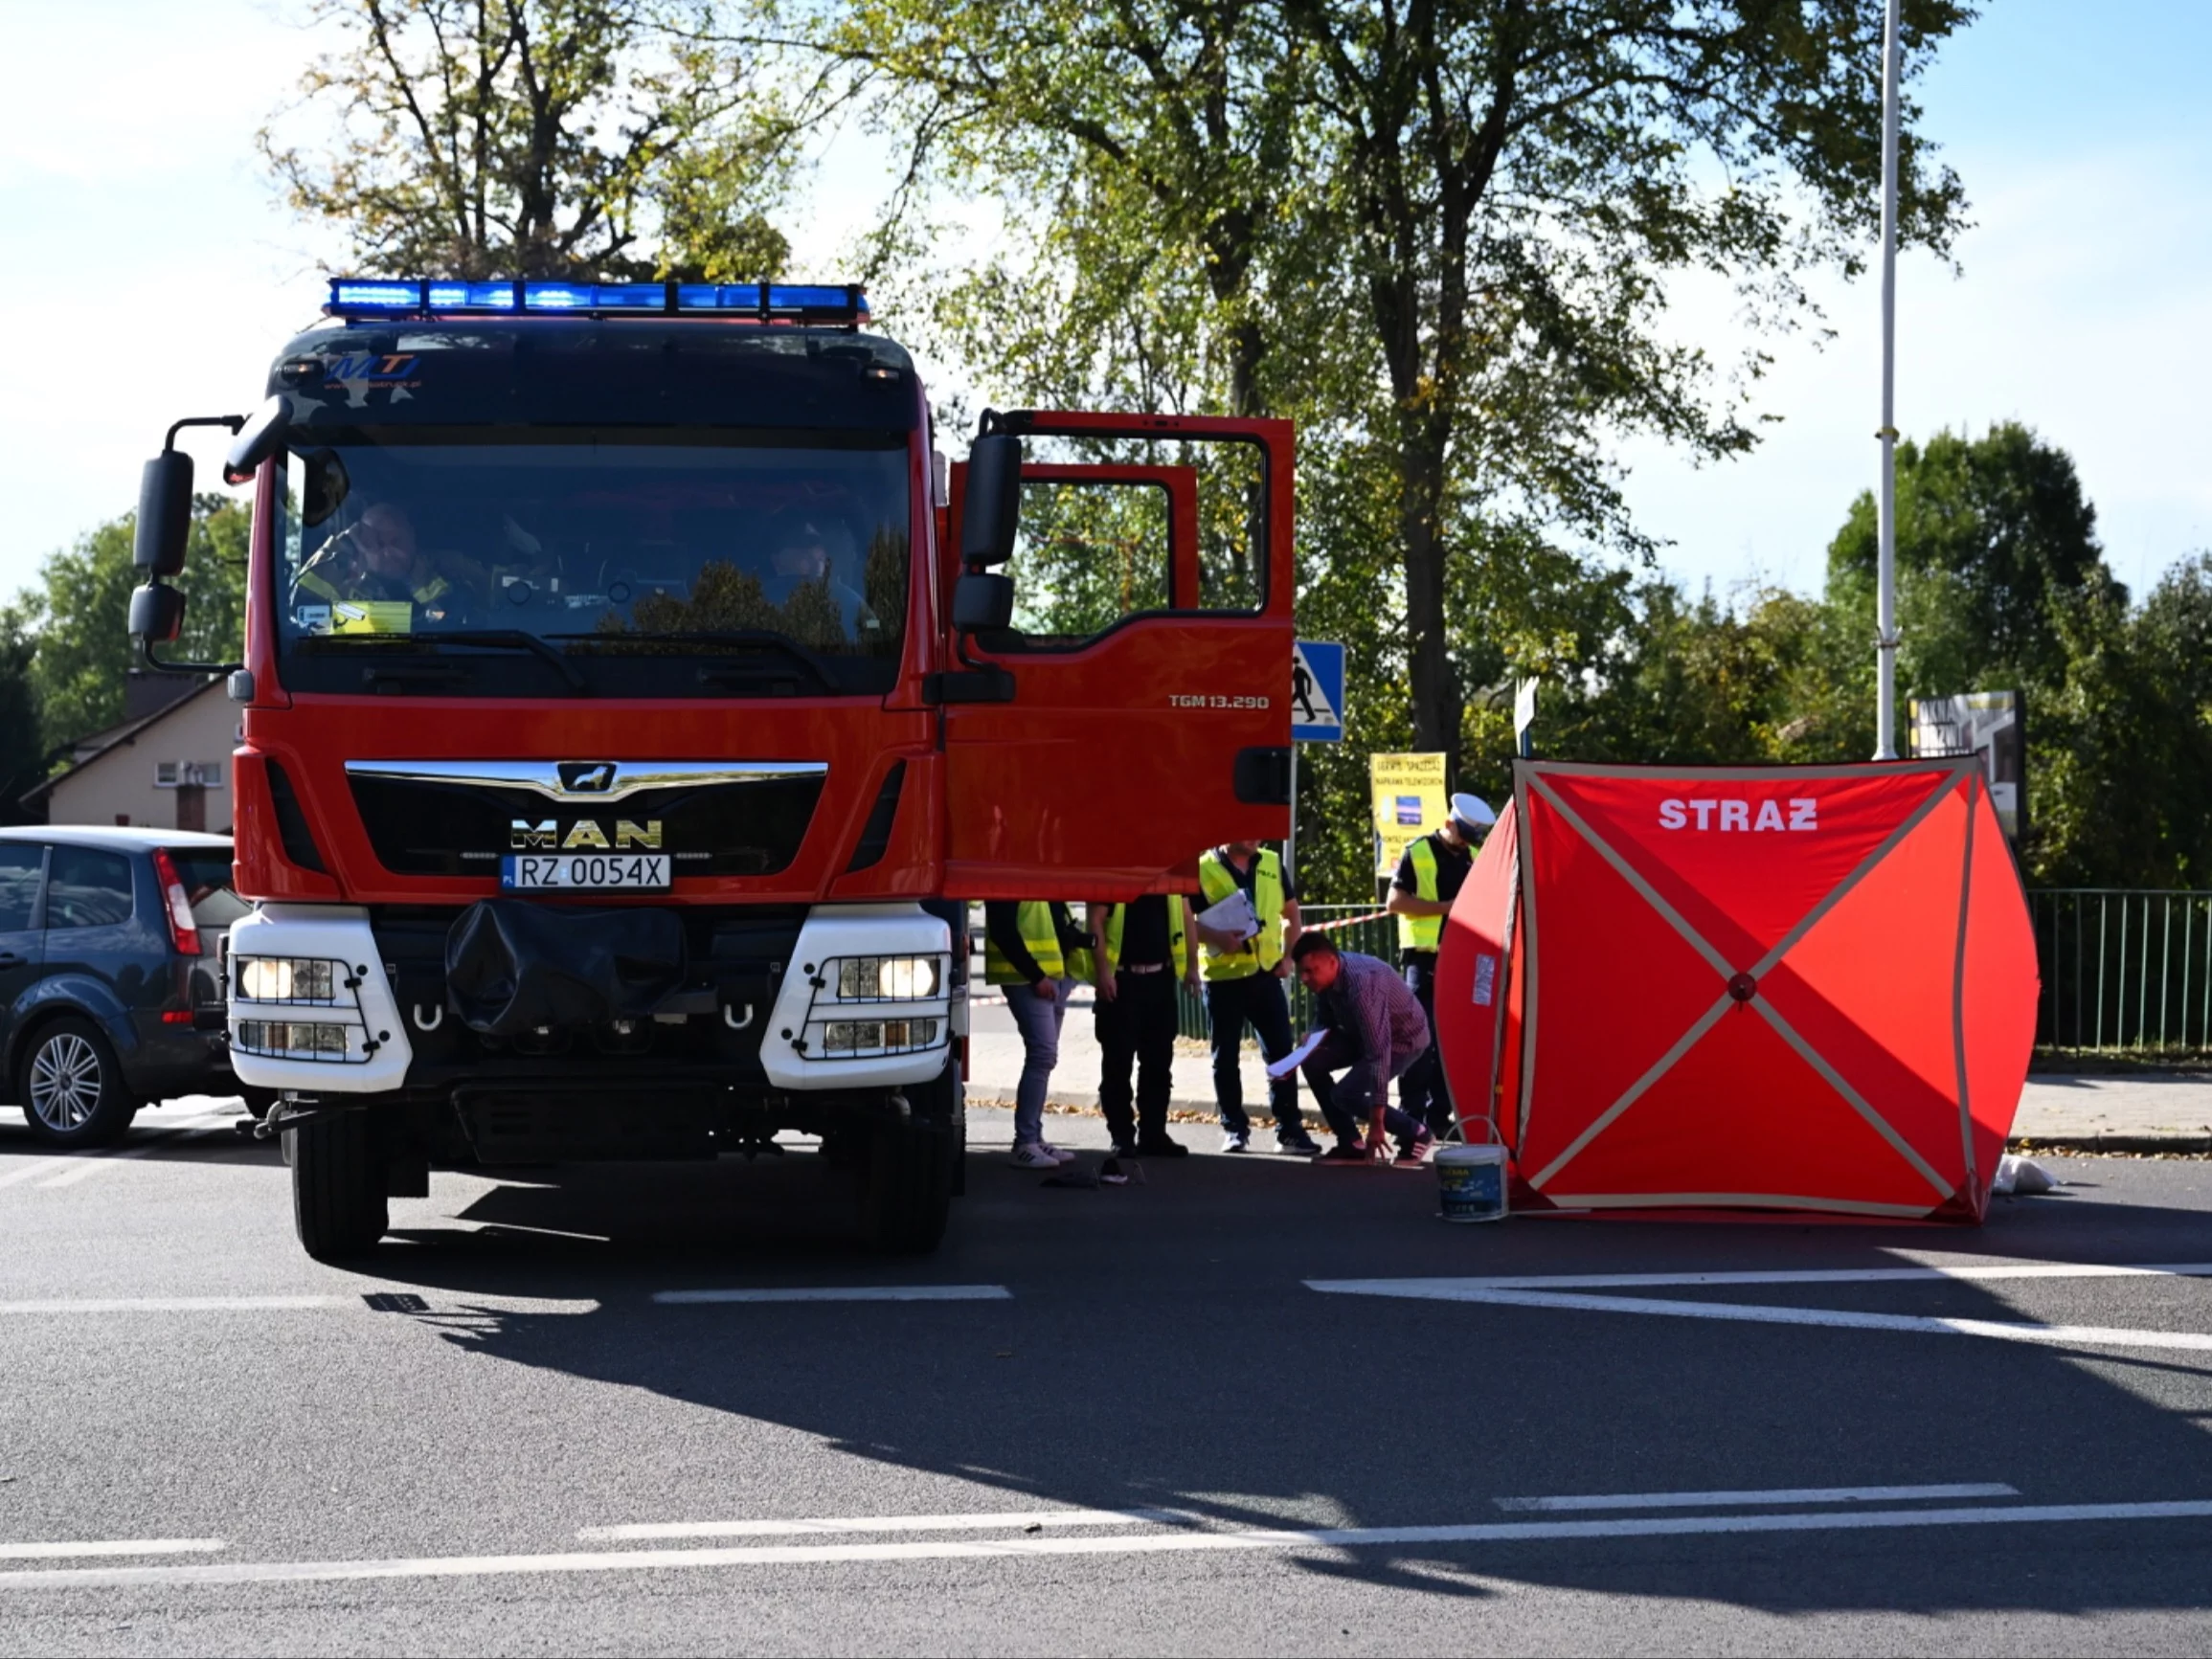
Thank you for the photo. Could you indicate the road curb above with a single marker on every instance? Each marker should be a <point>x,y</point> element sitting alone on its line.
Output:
<point>2090,1145</point>
<point>1084,1102</point>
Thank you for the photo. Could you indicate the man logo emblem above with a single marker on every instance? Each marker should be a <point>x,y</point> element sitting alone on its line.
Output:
<point>587,777</point>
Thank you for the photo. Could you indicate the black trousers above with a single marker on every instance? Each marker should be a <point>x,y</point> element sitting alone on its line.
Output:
<point>1256,999</point>
<point>1422,1090</point>
<point>1137,1033</point>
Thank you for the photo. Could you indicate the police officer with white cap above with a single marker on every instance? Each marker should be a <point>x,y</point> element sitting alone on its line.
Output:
<point>1429,879</point>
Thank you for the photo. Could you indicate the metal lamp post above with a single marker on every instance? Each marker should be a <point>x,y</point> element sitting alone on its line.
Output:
<point>1886,604</point>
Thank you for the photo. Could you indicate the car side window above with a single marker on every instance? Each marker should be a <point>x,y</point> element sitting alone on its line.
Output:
<point>21,864</point>
<point>87,888</point>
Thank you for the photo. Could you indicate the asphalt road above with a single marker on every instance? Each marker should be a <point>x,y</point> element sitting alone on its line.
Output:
<point>497,1439</point>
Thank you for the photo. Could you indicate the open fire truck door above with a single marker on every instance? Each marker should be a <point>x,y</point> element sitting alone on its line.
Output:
<point>1122,631</point>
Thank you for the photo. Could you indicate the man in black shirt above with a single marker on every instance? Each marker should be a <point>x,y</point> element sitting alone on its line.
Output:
<point>1143,949</point>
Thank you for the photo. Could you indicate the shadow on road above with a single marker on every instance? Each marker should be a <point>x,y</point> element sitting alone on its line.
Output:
<point>1160,1349</point>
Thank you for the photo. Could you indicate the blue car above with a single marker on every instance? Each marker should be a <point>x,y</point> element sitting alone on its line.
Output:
<point>110,988</point>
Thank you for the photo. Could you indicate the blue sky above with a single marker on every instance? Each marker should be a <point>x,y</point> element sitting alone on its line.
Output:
<point>163,273</point>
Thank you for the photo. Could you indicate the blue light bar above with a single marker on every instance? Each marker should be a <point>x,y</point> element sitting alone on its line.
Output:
<point>352,296</point>
<point>809,297</point>
<point>471,296</point>
<point>786,301</point>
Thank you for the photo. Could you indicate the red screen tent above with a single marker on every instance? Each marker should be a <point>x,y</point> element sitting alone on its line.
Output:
<point>1805,988</point>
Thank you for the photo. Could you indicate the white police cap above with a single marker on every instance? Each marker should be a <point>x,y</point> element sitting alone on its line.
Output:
<point>1472,811</point>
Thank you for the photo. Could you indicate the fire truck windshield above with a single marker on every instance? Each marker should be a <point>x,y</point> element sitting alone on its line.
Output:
<point>619,558</point>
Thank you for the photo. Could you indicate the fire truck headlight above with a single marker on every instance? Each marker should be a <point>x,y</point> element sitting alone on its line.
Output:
<point>888,978</point>
<point>866,1037</point>
<point>286,1040</point>
<point>289,979</point>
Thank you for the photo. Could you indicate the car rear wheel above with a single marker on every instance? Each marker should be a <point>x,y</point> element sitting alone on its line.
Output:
<point>71,1087</point>
<point>338,1203</point>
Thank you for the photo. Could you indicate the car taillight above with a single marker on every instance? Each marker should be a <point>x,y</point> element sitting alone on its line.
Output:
<point>183,930</point>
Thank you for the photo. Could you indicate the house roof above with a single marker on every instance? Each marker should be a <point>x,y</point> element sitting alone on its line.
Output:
<point>92,747</point>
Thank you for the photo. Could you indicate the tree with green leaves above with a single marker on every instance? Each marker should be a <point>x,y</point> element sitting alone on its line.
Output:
<point>1440,231</point>
<point>581,139</point>
<point>78,618</point>
<point>1996,544</point>
<point>22,747</point>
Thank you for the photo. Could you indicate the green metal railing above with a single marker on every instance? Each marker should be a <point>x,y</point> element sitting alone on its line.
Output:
<point>1372,935</point>
<point>2124,971</point>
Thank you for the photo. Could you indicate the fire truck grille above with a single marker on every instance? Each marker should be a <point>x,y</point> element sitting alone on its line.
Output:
<point>751,827</point>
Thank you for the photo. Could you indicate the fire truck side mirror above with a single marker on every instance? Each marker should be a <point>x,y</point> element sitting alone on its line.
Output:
<point>260,437</point>
<point>981,602</point>
<point>157,614</point>
<point>991,511</point>
<point>165,512</point>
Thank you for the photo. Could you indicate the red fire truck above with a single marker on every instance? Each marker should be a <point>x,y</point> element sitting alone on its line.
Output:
<point>634,698</point>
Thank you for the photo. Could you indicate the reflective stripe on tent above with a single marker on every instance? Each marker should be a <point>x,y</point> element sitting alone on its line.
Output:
<point>1804,988</point>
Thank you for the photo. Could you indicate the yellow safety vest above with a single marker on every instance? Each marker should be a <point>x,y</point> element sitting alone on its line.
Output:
<point>1258,954</point>
<point>1041,935</point>
<point>1176,943</point>
<point>1422,932</point>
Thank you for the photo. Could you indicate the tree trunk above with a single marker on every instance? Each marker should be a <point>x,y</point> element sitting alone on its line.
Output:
<point>1434,683</point>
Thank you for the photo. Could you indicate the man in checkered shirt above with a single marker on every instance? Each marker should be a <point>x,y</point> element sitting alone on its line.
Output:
<point>1376,1028</point>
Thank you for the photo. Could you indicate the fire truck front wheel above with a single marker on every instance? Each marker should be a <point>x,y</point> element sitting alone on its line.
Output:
<point>338,1202</point>
<point>913,1168</point>
<point>906,1189</point>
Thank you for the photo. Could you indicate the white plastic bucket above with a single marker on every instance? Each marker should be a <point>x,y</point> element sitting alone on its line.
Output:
<point>1471,1182</point>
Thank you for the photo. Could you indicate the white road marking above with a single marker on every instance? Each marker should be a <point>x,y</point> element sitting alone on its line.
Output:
<point>472,1302</point>
<point>842,1293</point>
<point>986,1523</point>
<point>175,1303</point>
<point>1188,1542</point>
<point>1810,1494</point>
<point>34,1167</point>
<point>2002,1330</point>
<point>109,1547</point>
<point>160,1141</point>
<point>1965,1271</point>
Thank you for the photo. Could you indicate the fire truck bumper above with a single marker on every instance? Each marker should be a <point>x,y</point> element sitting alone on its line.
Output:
<point>836,999</point>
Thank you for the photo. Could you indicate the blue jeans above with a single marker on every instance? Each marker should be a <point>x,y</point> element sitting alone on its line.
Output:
<point>1230,1004</point>
<point>1039,1022</point>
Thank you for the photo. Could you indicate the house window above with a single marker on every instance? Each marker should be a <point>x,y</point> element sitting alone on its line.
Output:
<point>165,774</point>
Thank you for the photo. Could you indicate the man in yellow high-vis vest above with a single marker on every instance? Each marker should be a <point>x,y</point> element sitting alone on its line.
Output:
<point>1143,949</point>
<point>1033,951</point>
<point>1429,879</point>
<point>1244,980</point>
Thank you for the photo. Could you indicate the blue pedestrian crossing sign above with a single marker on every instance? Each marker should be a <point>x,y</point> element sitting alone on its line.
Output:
<point>1316,692</point>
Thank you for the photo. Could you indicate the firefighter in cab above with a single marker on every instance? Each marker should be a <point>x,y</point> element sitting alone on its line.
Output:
<point>1429,878</point>
<point>372,579</point>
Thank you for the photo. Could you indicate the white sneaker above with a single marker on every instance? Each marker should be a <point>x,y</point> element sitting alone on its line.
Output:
<point>1060,1154</point>
<point>1232,1141</point>
<point>1034,1155</point>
